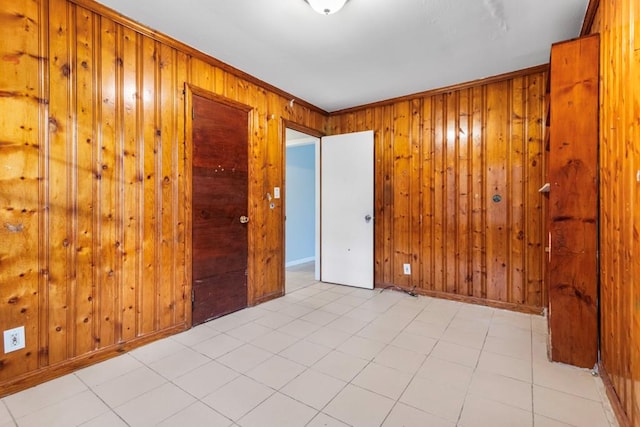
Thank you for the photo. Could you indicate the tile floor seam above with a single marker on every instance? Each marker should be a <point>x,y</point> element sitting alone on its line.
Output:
<point>110,409</point>
<point>567,393</point>
<point>533,400</point>
<point>13,418</point>
<point>475,369</point>
<point>326,415</point>
<point>235,421</point>
<point>45,406</point>
<point>397,400</point>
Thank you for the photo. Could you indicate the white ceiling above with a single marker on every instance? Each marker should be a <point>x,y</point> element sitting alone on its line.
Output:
<point>371,50</point>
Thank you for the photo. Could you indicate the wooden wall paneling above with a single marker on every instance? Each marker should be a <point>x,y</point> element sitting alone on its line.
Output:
<point>272,213</point>
<point>43,171</point>
<point>473,142</point>
<point>98,246</point>
<point>607,307</point>
<point>85,79</point>
<point>438,205</point>
<point>457,228</point>
<point>626,232</point>
<point>61,183</point>
<point>274,216</point>
<point>22,104</point>
<point>106,188</point>
<point>415,139</point>
<point>617,215</point>
<point>169,142</point>
<point>635,220</point>
<point>258,200</point>
<point>618,24</point>
<point>181,305</point>
<point>257,231</point>
<point>463,252</point>
<point>149,112</point>
<point>378,195</point>
<point>228,90</point>
<point>451,215</point>
<point>635,209</point>
<point>202,75</point>
<point>265,173</point>
<point>480,197</point>
<point>535,215</point>
<point>401,147</point>
<point>385,214</point>
<point>517,214</point>
<point>428,194</point>
<point>619,226</point>
<point>498,187</point>
<point>128,180</point>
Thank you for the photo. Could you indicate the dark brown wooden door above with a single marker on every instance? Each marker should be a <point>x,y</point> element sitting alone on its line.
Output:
<point>220,150</point>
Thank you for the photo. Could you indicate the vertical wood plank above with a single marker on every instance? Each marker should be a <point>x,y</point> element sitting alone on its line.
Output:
<point>438,189</point>
<point>478,155</point>
<point>451,180</point>
<point>464,235</point>
<point>84,294</point>
<point>427,229</point>
<point>497,191</point>
<point>128,183</point>
<point>387,207</point>
<point>517,214</point>
<point>179,205</point>
<point>105,174</point>
<point>168,144</point>
<point>415,195</point>
<point>534,212</point>
<point>401,192</point>
<point>149,119</point>
<point>22,144</point>
<point>61,164</point>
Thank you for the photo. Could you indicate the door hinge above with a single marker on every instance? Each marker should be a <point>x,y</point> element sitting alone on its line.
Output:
<point>193,113</point>
<point>193,296</point>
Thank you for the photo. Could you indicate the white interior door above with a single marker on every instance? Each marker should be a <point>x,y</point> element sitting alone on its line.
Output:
<point>346,213</point>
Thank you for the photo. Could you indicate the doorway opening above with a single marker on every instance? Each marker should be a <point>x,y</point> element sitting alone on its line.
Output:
<point>302,209</point>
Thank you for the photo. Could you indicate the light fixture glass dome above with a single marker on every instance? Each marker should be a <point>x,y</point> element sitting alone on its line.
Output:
<point>326,7</point>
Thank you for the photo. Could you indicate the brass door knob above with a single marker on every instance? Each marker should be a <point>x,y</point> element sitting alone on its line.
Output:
<point>244,219</point>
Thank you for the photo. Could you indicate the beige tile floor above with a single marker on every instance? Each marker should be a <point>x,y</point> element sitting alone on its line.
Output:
<point>328,355</point>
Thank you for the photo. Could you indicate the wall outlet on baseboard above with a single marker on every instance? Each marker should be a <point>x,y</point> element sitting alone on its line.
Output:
<point>14,339</point>
<point>406,268</point>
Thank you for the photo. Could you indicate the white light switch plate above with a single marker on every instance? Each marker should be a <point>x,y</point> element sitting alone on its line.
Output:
<point>276,192</point>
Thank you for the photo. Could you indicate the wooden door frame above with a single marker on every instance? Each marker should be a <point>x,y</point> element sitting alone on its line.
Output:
<point>288,124</point>
<point>189,91</point>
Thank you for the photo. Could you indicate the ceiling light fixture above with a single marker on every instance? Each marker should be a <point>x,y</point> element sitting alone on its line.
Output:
<point>326,7</point>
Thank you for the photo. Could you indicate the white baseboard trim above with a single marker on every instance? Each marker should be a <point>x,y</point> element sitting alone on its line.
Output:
<point>299,261</point>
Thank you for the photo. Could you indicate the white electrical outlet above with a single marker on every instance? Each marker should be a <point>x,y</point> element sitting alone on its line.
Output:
<point>14,339</point>
<point>407,268</point>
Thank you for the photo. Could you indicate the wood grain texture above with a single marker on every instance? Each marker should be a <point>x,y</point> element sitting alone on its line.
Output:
<point>440,160</point>
<point>95,214</point>
<point>573,160</point>
<point>23,105</point>
<point>618,22</point>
